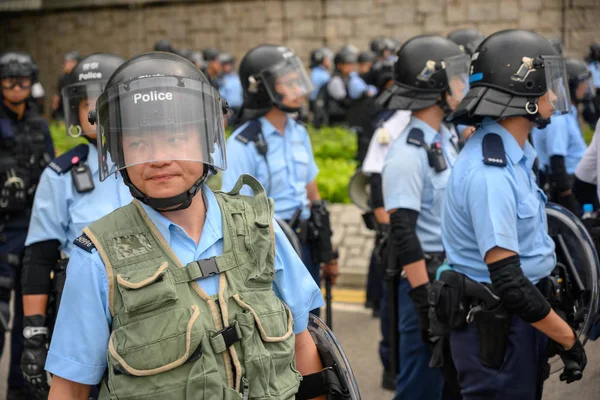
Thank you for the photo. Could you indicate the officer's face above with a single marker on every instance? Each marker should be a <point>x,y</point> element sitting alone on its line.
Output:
<point>365,67</point>
<point>347,68</point>
<point>68,66</point>
<point>156,162</point>
<point>545,107</point>
<point>16,90</point>
<point>291,89</point>
<point>581,90</point>
<point>227,68</point>
<point>327,63</point>
<point>216,67</point>
<point>85,106</point>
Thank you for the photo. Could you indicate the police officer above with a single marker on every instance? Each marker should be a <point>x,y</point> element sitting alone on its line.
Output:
<point>25,150</point>
<point>276,150</point>
<point>431,77</point>
<point>69,198</point>
<point>494,224</point>
<point>214,68</point>
<point>365,62</point>
<point>594,63</point>
<point>560,145</point>
<point>230,86</point>
<point>591,110</point>
<point>320,65</point>
<point>183,292</point>
<point>70,60</point>
<point>383,48</point>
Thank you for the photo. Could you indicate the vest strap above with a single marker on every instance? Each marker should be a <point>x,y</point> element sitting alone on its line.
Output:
<point>262,218</point>
<point>225,338</point>
<point>204,268</point>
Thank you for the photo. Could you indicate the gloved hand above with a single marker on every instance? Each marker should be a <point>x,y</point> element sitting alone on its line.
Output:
<point>575,361</point>
<point>419,298</point>
<point>34,354</point>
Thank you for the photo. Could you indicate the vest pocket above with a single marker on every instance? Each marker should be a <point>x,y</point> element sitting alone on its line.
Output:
<point>146,289</point>
<point>267,345</point>
<point>150,356</point>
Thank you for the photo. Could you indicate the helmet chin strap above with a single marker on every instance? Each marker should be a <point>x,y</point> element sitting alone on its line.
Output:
<point>533,114</point>
<point>286,108</point>
<point>175,203</point>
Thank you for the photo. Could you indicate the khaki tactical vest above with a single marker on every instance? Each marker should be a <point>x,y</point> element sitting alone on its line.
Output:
<point>169,339</point>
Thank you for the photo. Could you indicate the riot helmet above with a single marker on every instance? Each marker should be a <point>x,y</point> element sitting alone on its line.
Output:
<point>164,45</point>
<point>226,58</point>
<point>17,69</point>
<point>382,47</point>
<point>346,55</point>
<point>17,64</point>
<point>381,74</point>
<point>272,75</point>
<point>427,67</point>
<point>318,56</point>
<point>510,71</point>
<point>467,39</point>
<point>158,107</point>
<point>366,56</point>
<point>210,54</point>
<point>72,56</point>
<point>82,88</point>
<point>594,53</point>
<point>196,58</point>
<point>581,83</point>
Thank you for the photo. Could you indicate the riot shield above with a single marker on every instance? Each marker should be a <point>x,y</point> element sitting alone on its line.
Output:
<point>291,236</point>
<point>576,274</point>
<point>331,352</point>
<point>358,190</point>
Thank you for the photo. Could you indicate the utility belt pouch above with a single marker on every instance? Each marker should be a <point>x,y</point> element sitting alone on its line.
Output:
<point>369,220</point>
<point>58,282</point>
<point>493,327</point>
<point>320,233</point>
<point>446,304</point>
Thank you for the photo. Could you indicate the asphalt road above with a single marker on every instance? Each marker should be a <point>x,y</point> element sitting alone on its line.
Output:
<point>358,332</point>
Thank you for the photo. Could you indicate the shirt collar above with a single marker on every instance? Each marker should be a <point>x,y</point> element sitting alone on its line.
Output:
<point>268,128</point>
<point>511,146</point>
<point>213,225</point>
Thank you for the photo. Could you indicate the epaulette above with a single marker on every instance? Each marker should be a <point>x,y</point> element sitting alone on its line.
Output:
<point>493,150</point>
<point>6,129</point>
<point>83,242</point>
<point>383,117</point>
<point>416,137</point>
<point>250,132</point>
<point>66,161</point>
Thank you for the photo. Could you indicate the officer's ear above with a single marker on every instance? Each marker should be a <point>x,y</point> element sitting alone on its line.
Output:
<point>92,117</point>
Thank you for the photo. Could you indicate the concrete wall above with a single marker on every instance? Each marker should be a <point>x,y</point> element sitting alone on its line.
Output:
<point>47,29</point>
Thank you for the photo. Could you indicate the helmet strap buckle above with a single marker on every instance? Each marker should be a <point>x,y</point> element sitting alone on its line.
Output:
<point>532,108</point>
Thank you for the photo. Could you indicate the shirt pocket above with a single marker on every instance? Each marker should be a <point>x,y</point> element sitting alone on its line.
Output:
<point>301,166</point>
<point>528,206</point>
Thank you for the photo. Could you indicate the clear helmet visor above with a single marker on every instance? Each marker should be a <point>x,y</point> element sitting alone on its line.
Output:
<point>457,72</point>
<point>78,99</point>
<point>287,81</point>
<point>557,83</point>
<point>163,118</point>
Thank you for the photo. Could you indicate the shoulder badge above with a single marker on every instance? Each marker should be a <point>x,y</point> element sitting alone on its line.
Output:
<point>83,242</point>
<point>250,132</point>
<point>416,137</point>
<point>493,150</point>
<point>66,161</point>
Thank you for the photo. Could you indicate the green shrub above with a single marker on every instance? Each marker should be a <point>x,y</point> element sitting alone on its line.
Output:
<point>62,141</point>
<point>333,142</point>
<point>588,133</point>
<point>333,178</point>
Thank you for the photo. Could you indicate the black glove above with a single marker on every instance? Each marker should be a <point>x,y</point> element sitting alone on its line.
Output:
<point>34,354</point>
<point>575,361</point>
<point>419,297</point>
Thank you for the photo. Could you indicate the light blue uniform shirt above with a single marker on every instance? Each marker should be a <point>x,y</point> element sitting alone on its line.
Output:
<point>488,206</point>
<point>594,67</point>
<point>60,212</point>
<point>562,137</point>
<point>319,76</point>
<point>291,163</point>
<point>409,182</point>
<point>356,86</point>
<point>80,339</point>
<point>230,88</point>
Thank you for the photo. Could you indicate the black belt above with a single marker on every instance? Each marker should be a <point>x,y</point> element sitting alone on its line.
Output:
<point>301,229</point>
